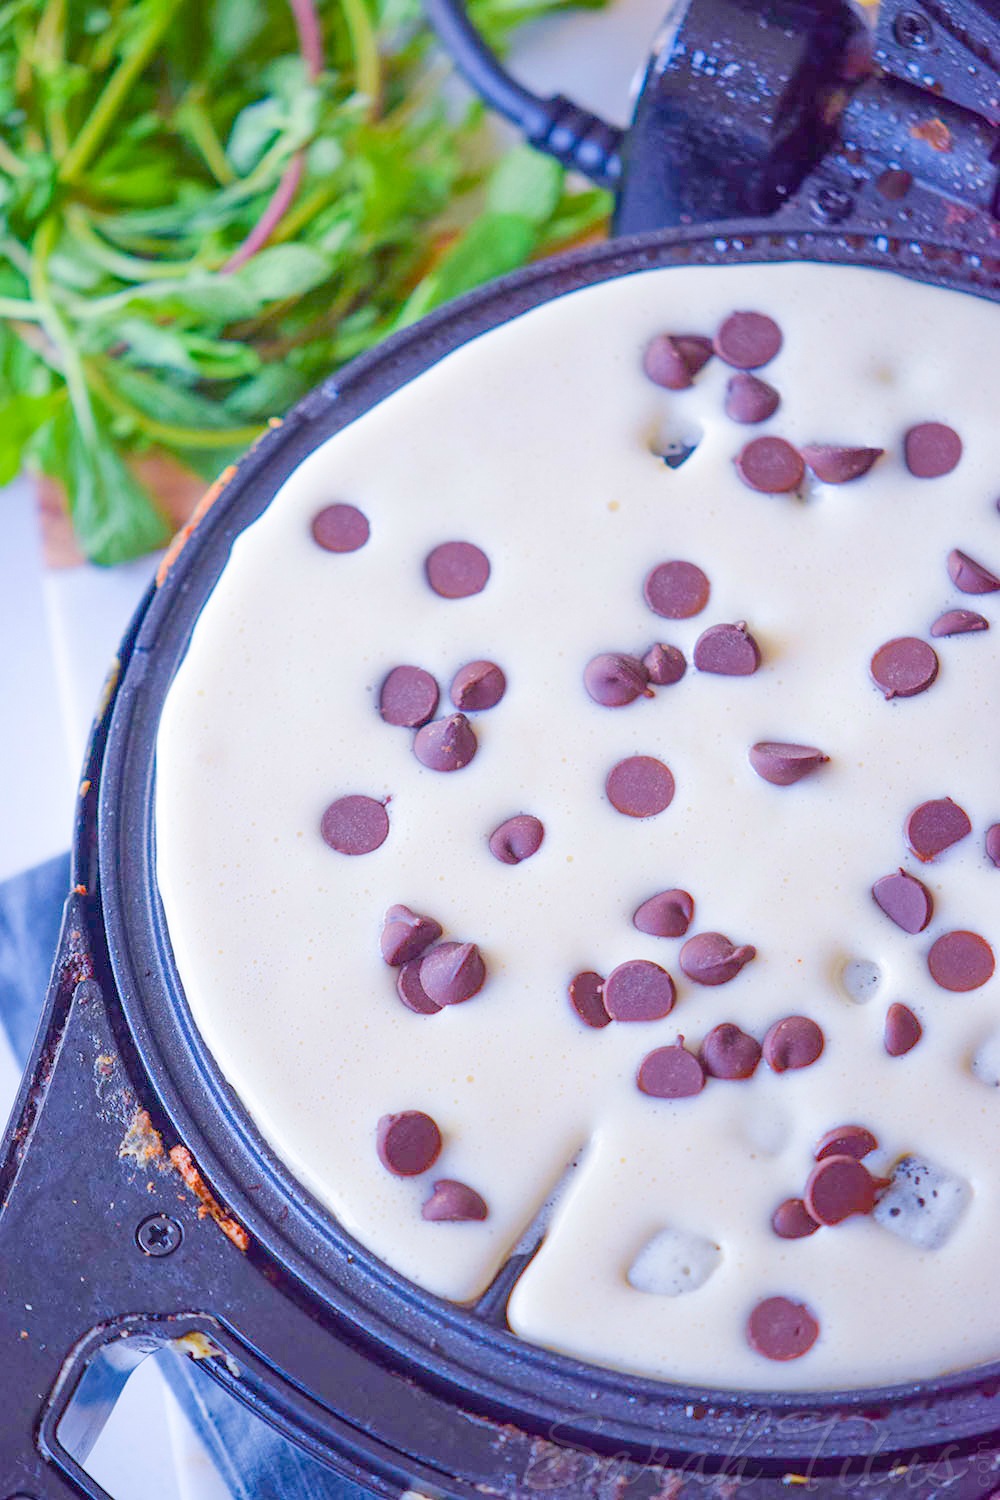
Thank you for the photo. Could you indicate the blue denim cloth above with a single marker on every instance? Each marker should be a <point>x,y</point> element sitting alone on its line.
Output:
<point>254,1461</point>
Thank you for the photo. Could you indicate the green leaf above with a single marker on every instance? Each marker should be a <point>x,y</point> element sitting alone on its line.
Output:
<point>161,399</point>
<point>492,245</point>
<point>23,416</point>
<point>254,129</point>
<point>283,271</point>
<point>269,393</point>
<point>525,182</point>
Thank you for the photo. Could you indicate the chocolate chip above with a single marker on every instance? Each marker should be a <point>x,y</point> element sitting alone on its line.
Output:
<point>664,665</point>
<point>770,465</point>
<point>405,935</point>
<point>781,1329</point>
<point>905,900</point>
<point>728,1052</point>
<point>355,825</point>
<point>586,995</point>
<point>407,1143</point>
<point>960,961</point>
<point>958,622</point>
<point>408,697</point>
<point>613,681</point>
<point>446,744</point>
<point>457,569</point>
<point>453,1202</point>
<point>993,843</point>
<point>748,340</point>
<point>791,1220</point>
<point>640,787</point>
<point>750,400</point>
<point>894,184</point>
<point>729,650</point>
<point>452,972</point>
<point>838,1187</point>
<point>835,465</point>
<point>518,838</point>
<point>710,958</point>
<point>340,528</point>
<point>846,1140</point>
<point>782,764</point>
<point>931,449</point>
<point>478,685</point>
<point>670,1073</point>
<point>935,826</point>
<point>639,991</point>
<point>673,360</point>
<point>902,1030</point>
<point>969,576</point>
<point>411,991</point>
<point>676,590</point>
<point>667,914</point>
<point>794,1042</point>
<point>904,667</point>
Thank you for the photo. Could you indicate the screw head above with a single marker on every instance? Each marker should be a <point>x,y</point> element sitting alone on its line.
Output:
<point>912,28</point>
<point>831,205</point>
<point>159,1235</point>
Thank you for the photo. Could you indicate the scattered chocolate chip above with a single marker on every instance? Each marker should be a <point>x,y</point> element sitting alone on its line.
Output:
<point>902,1030</point>
<point>405,935</point>
<point>894,184</point>
<point>675,453</point>
<point>931,449</point>
<point>794,1042</point>
<point>355,825</point>
<point>613,681</point>
<point>969,576</point>
<point>781,1329</point>
<point>671,1073</point>
<point>729,650</point>
<point>664,665</point>
<point>993,843</point>
<point>478,685</point>
<point>340,528</point>
<point>407,1143</point>
<point>586,995</point>
<point>904,667</point>
<point>791,1220</point>
<point>837,1187</point>
<point>518,838</point>
<point>935,826</point>
<point>676,590</point>
<point>770,465</point>
<point>452,972</point>
<point>905,900</point>
<point>453,1202</point>
<point>960,961</point>
<point>411,991</point>
<point>408,697</point>
<point>667,914</point>
<point>640,787</point>
<point>728,1052</point>
<point>782,764</point>
<point>673,360</point>
<point>958,622</point>
<point>639,991</point>
<point>750,400</point>
<point>455,570</point>
<point>748,340</point>
<point>446,744</point>
<point>710,958</point>
<point>846,1140</point>
<point>835,465</point>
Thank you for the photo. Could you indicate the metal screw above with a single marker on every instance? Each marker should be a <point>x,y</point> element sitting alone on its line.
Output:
<point>831,205</point>
<point>912,28</point>
<point>159,1235</point>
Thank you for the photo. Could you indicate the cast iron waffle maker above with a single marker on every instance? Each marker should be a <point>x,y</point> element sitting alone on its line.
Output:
<point>140,1207</point>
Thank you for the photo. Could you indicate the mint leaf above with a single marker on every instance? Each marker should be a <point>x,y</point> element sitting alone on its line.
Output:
<point>527,183</point>
<point>492,245</point>
<point>283,271</point>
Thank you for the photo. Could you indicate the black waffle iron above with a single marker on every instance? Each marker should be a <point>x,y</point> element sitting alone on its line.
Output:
<point>139,1207</point>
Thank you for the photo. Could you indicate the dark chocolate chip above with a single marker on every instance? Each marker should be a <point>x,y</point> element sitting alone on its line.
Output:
<point>750,399</point>
<point>411,991</point>
<point>408,697</point>
<point>673,360</point>
<point>782,764</point>
<point>837,1187</point>
<point>664,665</point>
<point>340,528</point>
<point>902,1030</point>
<point>894,184</point>
<point>958,622</point>
<point>710,958</point>
<point>667,914</point>
<point>835,465</point>
<point>457,569</point>
<point>639,991</point>
<point>729,650</point>
<point>355,825</point>
<point>676,590</point>
<point>518,838</point>
<point>728,1052</point>
<point>453,1202</point>
<point>748,340</point>
<point>671,1073</point>
<point>640,787</point>
<point>586,995</point>
<point>794,1042</point>
<point>770,465</point>
<point>478,685</point>
<point>408,1143</point>
<point>452,972</point>
<point>993,843</point>
<point>791,1220</point>
<point>905,900</point>
<point>969,576</point>
<point>961,961</point>
<point>904,667</point>
<point>613,681</point>
<point>935,826</point>
<point>781,1329</point>
<point>405,935</point>
<point>931,449</point>
<point>846,1140</point>
<point>446,744</point>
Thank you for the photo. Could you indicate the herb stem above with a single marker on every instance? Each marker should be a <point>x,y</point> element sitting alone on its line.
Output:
<point>50,54</point>
<point>364,45</point>
<point>20,310</point>
<point>169,432</point>
<point>69,359</point>
<point>9,163</point>
<point>269,220</point>
<point>127,267</point>
<point>194,119</point>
